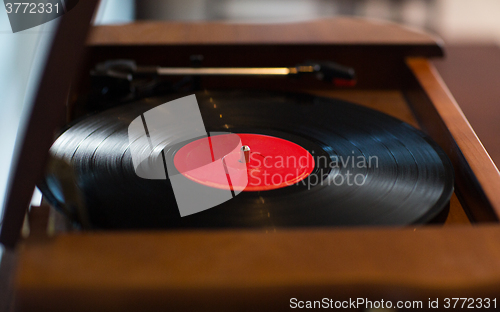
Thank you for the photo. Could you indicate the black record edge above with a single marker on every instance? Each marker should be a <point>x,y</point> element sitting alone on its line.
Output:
<point>445,198</point>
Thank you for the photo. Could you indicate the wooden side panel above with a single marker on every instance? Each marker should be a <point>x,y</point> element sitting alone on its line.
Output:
<point>472,73</point>
<point>477,177</point>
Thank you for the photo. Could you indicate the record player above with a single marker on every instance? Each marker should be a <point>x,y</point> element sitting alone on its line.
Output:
<point>273,242</point>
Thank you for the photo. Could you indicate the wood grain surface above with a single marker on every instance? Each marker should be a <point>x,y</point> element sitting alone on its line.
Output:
<point>324,31</point>
<point>251,270</point>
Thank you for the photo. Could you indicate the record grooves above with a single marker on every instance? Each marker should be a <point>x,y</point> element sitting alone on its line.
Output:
<point>407,178</point>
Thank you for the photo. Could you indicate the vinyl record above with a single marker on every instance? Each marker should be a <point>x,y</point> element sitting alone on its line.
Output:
<point>368,168</point>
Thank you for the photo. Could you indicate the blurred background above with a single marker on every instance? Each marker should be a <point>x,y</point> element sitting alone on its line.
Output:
<point>457,21</point>
<point>470,29</point>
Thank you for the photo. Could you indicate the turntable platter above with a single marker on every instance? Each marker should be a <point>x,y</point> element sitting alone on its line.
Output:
<point>367,168</point>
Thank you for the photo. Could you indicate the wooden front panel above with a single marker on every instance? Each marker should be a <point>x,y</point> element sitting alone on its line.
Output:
<point>252,270</point>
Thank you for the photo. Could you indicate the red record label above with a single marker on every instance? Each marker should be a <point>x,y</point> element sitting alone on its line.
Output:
<point>219,161</point>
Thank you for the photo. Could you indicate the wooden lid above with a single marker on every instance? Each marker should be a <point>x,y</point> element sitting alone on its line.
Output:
<point>329,31</point>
